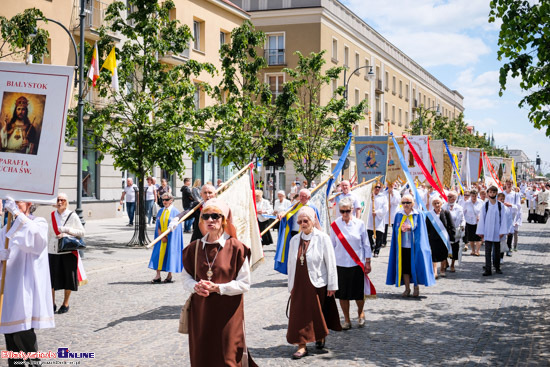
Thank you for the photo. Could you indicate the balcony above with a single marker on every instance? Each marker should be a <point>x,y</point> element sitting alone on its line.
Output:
<point>378,89</point>
<point>378,117</point>
<point>95,18</point>
<point>415,104</point>
<point>177,59</point>
<point>275,56</point>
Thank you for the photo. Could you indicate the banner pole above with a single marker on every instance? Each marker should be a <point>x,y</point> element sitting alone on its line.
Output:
<point>295,205</point>
<point>4,263</point>
<point>190,212</point>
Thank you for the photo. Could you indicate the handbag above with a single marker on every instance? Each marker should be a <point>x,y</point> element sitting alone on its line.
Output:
<point>184,315</point>
<point>70,243</point>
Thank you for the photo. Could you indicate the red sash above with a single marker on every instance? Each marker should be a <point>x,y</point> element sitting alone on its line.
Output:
<point>80,267</point>
<point>369,287</point>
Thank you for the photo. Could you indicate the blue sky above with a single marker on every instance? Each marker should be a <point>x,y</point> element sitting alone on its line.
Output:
<point>454,42</point>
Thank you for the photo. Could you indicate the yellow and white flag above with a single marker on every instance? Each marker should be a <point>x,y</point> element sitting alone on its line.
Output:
<point>110,64</point>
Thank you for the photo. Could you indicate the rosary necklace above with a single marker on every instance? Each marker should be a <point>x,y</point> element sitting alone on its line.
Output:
<point>305,242</point>
<point>210,273</point>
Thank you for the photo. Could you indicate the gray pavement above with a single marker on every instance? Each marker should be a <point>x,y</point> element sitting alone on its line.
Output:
<point>465,319</point>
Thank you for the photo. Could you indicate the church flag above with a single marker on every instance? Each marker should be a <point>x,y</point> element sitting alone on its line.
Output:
<point>371,157</point>
<point>339,165</point>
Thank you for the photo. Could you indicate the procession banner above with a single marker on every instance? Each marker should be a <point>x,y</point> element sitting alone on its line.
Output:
<point>33,114</point>
<point>497,163</point>
<point>453,161</point>
<point>420,144</point>
<point>433,164</point>
<point>371,156</point>
<point>319,200</point>
<point>513,173</point>
<point>438,154</point>
<point>339,165</point>
<point>394,171</point>
<point>461,164</point>
<point>239,196</point>
<point>363,194</point>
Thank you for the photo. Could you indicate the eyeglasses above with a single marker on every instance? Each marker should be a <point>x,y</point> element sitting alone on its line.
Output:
<point>345,211</point>
<point>376,187</point>
<point>61,200</point>
<point>166,199</point>
<point>406,202</point>
<point>214,216</point>
<point>302,221</point>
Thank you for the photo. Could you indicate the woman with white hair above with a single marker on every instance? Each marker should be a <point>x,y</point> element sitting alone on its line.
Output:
<point>445,228</point>
<point>410,254</point>
<point>312,283</point>
<point>64,272</point>
<point>217,272</point>
<point>263,207</point>
<point>282,204</point>
<point>353,253</point>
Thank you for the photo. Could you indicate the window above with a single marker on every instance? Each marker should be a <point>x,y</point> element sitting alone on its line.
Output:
<point>407,92</point>
<point>367,69</point>
<point>275,82</point>
<point>222,39</point>
<point>275,53</point>
<point>429,103</point>
<point>400,89</point>
<point>197,96</point>
<point>400,120</point>
<point>90,169</point>
<point>334,86</point>
<point>357,62</point>
<point>334,50</point>
<point>386,81</point>
<point>346,56</point>
<point>424,100</point>
<point>407,118</point>
<point>393,85</point>
<point>198,35</point>
<point>386,114</point>
<point>393,114</point>
<point>357,101</point>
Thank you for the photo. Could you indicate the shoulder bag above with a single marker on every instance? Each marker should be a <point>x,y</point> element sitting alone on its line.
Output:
<point>184,315</point>
<point>68,243</point>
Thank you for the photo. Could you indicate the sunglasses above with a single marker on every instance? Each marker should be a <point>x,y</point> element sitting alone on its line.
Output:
<point>214,216</point>
<point>61,200</point>
<point>345,211</point>
<point>406,202</point>
<point>302,221</point>
<point>377,187</point>
<point>166,199</point>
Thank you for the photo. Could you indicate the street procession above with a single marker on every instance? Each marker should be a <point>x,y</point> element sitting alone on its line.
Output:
<point>274,183</point>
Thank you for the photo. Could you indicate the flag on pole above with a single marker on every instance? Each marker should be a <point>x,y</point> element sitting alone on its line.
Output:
<point>339,165</point>
<point>110,64</point>
<point>513,173</point>
<point>283,241</point>
<point>93,74</point>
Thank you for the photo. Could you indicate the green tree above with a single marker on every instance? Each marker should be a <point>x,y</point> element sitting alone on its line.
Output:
<point>315,131</point>
<point>523,40</point>
<point>153,120</point>
<point>245,114</point>
<point>21,31</point>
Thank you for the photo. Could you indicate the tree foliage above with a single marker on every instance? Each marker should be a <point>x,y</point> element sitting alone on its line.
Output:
<point>153,120</point>
<point>21,31</point>
<point>315,131</point>
<point>245,114</point>
<point>454,130</point>
<point>524,41</point>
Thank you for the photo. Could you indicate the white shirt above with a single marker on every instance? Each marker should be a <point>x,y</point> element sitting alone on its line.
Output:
<point>238,286</point>
<point>265,206</point>
<point>394,204</point>
<point>514,198</point>
<point>356,233</point>
<point>490,225</point>
<point>457,213</point>
<point>471,211</point>
<point>73,225</point>
<point>130,193</point>
<point>381,210</point>
<point>281,207</point>
<point>320,258</point>
<point>28,291</point>
<point>149,193</point>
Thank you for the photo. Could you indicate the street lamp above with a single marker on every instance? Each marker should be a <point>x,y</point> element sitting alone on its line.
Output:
<point>370,76</point>
<point>437,113</point>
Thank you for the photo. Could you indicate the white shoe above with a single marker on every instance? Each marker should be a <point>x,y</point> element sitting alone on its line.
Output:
<point>361,322</point>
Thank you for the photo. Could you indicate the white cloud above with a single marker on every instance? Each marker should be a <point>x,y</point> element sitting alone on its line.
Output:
<point>481,91</point>
<point>485,124</point>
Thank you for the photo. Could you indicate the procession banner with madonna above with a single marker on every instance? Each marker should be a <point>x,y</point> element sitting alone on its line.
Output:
<point>34,100</point>
<point>371,156</point>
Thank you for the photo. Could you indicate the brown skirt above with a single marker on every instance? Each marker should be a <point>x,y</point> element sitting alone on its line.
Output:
<point>311,313</point>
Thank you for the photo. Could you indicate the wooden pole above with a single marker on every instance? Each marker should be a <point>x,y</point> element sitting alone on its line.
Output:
<point>390,189</point>
<point>294,206</point>
<point>4,263</point>
<point>190,212</point>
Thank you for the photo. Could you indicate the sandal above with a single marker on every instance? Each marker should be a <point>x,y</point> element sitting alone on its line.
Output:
<point>406,294</point>
<point>452,270</point>
<point>416,293</point>
<point>157,280</point>
<point>168,280</point>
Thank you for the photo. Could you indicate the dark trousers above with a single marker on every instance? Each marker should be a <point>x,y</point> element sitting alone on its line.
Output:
<point>375,247</point>
<point>22,341</point>
<point>131,209</point>
<point>385,242</point>
<point>509,239</point>
<point>188,224</point>
<point>493,247</point>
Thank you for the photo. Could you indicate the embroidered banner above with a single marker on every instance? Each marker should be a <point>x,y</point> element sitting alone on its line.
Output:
<point>34,103</point>
<point>420,144</point>
<point>371,156</point>
<point>394,171</point>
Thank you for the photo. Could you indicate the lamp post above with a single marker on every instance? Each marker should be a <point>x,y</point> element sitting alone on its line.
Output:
<point>370,76</point>
<point>437,112</point>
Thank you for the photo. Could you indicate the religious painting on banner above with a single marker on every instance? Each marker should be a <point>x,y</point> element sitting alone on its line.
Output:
<point>420,144</point>
<point>497,163</point>
<point>33,113</point>
<point>507,169</point>
<point>370,156</point>
<point>463,167</point>
<point>394,172</point>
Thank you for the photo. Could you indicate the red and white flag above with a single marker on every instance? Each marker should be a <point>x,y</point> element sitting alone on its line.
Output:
<point>93,74</point>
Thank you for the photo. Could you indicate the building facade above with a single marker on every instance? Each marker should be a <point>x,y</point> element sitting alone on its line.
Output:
<point>525,168</point>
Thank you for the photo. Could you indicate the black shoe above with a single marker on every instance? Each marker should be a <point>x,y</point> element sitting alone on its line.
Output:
<point>63,309</point>
<point>320,344</point>
<point>376,254</point>
<point>487,273</point>
<point>509,253</point>
<point>54,308</point>
<point>498,271</point>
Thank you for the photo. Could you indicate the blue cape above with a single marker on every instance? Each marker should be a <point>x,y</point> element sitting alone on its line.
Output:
<point>421,254</point>
<point>173,261</point>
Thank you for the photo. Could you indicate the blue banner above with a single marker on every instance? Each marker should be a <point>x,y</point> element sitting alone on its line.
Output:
<point>371,157</point>
<point>339,165</point>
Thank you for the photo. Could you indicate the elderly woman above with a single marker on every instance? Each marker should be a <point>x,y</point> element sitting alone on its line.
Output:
<point>445,224</point>
<point>217,272</point>
<point>312,282</point>
<point>263,207</point>
<point>166,254</point>
<point>352,249</point>
<point>282,204</point>
<point>64,272</point>
<point>150,198</point>
<point>410,255</point>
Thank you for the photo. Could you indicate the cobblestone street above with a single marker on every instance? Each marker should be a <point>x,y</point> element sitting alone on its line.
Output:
<point>465,319</point>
